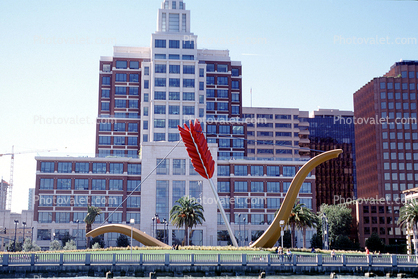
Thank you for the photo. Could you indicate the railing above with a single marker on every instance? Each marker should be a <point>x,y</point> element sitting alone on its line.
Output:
<point>40,259</point>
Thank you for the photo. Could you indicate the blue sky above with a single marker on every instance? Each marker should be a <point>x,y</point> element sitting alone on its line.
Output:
<point>296,54</point>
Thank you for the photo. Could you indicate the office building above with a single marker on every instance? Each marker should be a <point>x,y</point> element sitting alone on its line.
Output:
<point>31,198</point>
<point>386,136</point>
<point>335,179</point>
<point>3,194</point>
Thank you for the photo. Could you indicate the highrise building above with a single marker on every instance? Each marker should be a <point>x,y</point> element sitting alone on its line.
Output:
<point>144,93</point>
<point>3,194</point>
<point>335,179</point>
<point>386,135</point>
<point>31,198</point>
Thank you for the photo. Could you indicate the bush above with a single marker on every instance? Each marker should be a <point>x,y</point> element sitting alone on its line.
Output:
<point>10,247</point>
<point>55,245</point>
<point>65,238</point>
<point>98,240</point>
<point>374,243</point>
<point>122,241</point>
<point>70,245</point>
<point>28,246</point>
<point>343,242</point>
<point>316,241</point>
<point>96,246</point>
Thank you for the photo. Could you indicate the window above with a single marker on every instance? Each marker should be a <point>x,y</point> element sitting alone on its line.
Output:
<point>188,110</point>
<point>235,72</point>
<point>210,81</point>
<point>132,184</point>
<point>179,167</point>
<point>289,171</point>
<point>174,44</point>
<point>223,170</point>
<point>223,187</point>
<point>47,184</point>
<point>81,184</point>
<point>163,166</point>
<point>174,95</point>
<point>160,68</point>
<point>134,65</point>
<point>174,56</point>
<point>160,82</point>
<point>99,167</point>
<point>64,167</point>
<point>240,170</point>
<point>174,110</point>
<point>222,80</point>
<point>46,200</point>
<point>188,83</point>
<point>62,217</point>
<point>64,184</point>
<point>119,140</point>
<point>134,169</point>
<point>172,123</point>
<point>306,188</point>
<point>64,200</point>
<point>235,84</point>
<point>146,71</point>
<point>160,56</point>
<point>173,137</point>
<point>174,82</point>
<point>222,68</point>
<point>188,44</point>
<point>120,64</point>
<point>159,136</point>
<point>188,57</point>
<point>238,143</point>
<point>44,217</point>
<point>116,168</point>
<point>159,109</point>
<point>273,187</point>
<point>105,93</point>
<point>257,186</point>
<point>174,22</point>
<point>105,80</point>
<point>121,77</point>
<point>132,127</point>
<point>188,69</point>
<point>159,123</point>
<point>257,170</point>
<point>160,43</point>
<point>134,202</point>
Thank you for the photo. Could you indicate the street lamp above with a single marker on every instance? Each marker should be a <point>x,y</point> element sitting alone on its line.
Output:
<point>282,230</point>
<point>325,231</point>
<point>245,239</point>
<point>24,229</point>
<point>76,236</point>
<point>32,234</point>
<point>164,223</point>
<point>132,222</point>
<point>153,219</point>
<point>14,243</point>
<point>156,224</point>
<point>239,229</point>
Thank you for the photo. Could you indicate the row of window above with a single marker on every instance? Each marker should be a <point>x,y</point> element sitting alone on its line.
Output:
<point>178,167</point>
<point>404,106</point>
<point>117,140</point>
<point>241,170</point>
<point>382,231</point>
<point>83,167</point>
<point>271,142</point>
<point>278,134</point>
<point>162,109</point>
<point>159,43</point>
<point>373,209</point>
<point>123,64</point>
<point>120,90</point>
<point>174,82</point>
<point>89,184</point>
<point>65,217</point>
<point>174,69</point>
<point>131,153</point>
<point>83,201</point>
<point>261,187</point>
<point>270,116</point>
<point>173,56</point>
<point>271,151</point>
<point>225,129</point>
<point>118,127</point>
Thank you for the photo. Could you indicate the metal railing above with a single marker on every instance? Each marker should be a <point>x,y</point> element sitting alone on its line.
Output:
<point>40,259</point>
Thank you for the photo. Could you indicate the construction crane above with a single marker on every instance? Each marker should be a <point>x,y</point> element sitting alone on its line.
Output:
<point>12,163</point>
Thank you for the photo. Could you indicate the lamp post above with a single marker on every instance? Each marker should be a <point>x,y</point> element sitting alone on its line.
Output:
<point>156,225</point>
<point>325,231</point>
<point>239,229</point>
<point>32,234</point>
<point>164,223</point>
<point>76,236</point>
<point>132,222</point>
<point>153,219</point>
<point>14,242</point>
<point>245,238</point>
<point>282,230</point>
<point>24,229</point>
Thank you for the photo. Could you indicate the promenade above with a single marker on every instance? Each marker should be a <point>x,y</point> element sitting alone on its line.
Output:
<point>22,265</point>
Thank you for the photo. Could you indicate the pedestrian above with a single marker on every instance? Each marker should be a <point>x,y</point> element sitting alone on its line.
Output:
<point>333,254</point>
<point>289,255</point>
<point>367,251</point>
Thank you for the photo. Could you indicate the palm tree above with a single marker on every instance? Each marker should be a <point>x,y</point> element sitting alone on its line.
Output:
<point>186,212</point>
<point>92,213</point>
<point>309,220</point>
<point>408,216</point>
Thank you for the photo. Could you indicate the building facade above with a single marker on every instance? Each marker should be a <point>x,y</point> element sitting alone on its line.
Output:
<point>386,135</point>
<point>3,194</point>
<point>335,179</point>
<point>17,226</point>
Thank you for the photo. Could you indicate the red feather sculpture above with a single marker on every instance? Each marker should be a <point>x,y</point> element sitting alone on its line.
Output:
<point>197,148</point>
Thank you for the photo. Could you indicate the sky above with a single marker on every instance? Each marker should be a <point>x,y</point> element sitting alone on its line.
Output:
<point>295,54</point>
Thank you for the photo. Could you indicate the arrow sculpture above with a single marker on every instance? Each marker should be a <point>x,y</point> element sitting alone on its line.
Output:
<point>202,161</point>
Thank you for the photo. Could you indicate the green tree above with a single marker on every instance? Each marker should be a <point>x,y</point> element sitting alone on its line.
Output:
<point>92,213</point>
<point>408,217</point>
<point>122,241</point>
<point>28,246</point>
<point>339,220</point>
<point>186,212</point>
<point>97,242</point>
<point>65,238</point>
<point>374,243</point>
<point>10,246</point>
<point>316,241</point>
<point>70,245</point>
<point>300,218</point>
<point>55,245</point>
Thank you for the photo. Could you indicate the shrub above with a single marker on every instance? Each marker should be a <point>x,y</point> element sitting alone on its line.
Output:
<point>55,245</point>
<point>70,245</point>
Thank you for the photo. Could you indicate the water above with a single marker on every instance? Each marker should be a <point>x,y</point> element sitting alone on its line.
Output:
<point>225,277</point>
